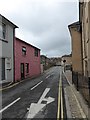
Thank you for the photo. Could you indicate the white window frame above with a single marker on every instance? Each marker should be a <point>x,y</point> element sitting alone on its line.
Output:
<point>3,31</point>
<point>8,63</point>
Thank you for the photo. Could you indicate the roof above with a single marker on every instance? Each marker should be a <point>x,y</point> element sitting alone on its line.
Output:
<point>70,55</point>
<point>8,21</point>
<point>75,25</point>
<point>26,43</point>
<point>43,56</point>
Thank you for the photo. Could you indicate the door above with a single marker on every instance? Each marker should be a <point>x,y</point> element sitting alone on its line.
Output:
<point>3,69</point>
<point>22,71</point>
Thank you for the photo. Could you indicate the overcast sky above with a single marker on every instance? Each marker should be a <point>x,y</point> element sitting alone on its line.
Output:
<point>43,23</point>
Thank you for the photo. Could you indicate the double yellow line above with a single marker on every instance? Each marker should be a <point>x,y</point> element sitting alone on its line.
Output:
<point>60,100</point>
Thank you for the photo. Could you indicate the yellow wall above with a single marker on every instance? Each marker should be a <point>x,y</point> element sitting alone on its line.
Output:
<point>76,50</point>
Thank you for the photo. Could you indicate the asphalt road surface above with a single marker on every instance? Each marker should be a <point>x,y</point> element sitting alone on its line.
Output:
<point>34,98</point>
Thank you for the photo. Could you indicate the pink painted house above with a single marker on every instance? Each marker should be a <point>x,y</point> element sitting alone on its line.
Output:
<point>27,60</point>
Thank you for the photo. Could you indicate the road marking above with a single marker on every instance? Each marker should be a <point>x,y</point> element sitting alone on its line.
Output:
<point>81,110</point>
<point>59,91</point>
<point>9,105</point>
<point>36,107</point>
<point>61,103</point>
<point>36,85</point>
<point>48,76</point>
<point>43,95</point>
<point>60,100</point>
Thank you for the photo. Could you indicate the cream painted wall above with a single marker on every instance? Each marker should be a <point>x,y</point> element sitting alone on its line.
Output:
<point>76,50</point>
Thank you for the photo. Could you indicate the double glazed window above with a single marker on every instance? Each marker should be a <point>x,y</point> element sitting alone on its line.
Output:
<point>2,31</point>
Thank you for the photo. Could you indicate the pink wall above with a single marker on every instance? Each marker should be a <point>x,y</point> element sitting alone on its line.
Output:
<point>34,62</point>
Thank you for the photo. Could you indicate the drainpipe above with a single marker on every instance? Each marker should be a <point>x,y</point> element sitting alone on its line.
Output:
<point>81,46</point>
<point>13,55</point>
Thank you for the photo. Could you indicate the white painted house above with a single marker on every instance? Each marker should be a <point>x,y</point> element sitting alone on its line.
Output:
<point>7,34</point>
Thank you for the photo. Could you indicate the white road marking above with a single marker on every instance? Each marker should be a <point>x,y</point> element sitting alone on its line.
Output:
<point>48,76</point>
<point>43,95</point>
<point>36,85</point>
<point>36,107</point>
<point>49,99</point>
<point>9,105</point>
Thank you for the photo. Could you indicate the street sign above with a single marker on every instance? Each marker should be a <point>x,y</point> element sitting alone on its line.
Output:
<point>36,107</point>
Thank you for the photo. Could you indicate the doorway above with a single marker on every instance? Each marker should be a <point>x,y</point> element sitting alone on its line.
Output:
<point>3,69</point>
<point>22,71</point>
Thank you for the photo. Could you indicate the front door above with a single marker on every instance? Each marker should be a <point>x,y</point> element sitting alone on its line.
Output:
<point>22,70</point>
<point>3,69</point>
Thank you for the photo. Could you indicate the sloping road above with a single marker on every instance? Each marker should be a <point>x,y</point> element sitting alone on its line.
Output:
<point>36,98</point>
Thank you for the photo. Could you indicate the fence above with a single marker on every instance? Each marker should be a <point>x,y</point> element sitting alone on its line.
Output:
<point>82,84</point>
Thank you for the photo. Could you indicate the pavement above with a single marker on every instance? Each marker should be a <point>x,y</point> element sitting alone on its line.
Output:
<point>6,85</point>
<point>76,106</point>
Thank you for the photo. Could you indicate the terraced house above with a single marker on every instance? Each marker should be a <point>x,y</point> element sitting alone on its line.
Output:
<point>7,33</point>
<point>80,39</point>
<point>85,21</point>
<point>27,60</point>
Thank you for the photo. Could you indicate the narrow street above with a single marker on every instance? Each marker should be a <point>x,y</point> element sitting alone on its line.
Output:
<point>47,96</point>
<point>44,59</point>
<point>29,92</point>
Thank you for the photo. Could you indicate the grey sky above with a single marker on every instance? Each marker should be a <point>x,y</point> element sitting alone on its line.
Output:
<point>43,23</point>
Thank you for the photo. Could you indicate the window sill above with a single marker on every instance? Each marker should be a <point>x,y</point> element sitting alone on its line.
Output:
<point>9,69</point>
<point>4,40</point>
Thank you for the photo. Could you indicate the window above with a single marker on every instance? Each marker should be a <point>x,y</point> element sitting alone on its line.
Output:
<point>2,31</point>
<point>27,67</point>
<point>8,63</point>
<point>24,50</point>
<point>36,52</point>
